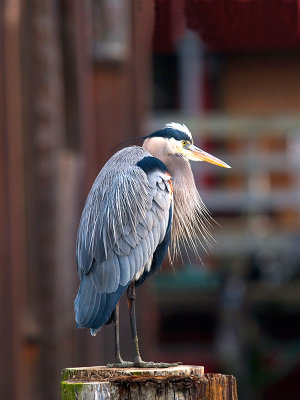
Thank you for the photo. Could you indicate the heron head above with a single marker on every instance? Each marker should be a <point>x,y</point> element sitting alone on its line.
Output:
<point>176,139</point>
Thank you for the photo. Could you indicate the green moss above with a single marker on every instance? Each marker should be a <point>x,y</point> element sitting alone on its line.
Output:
<point>67,373</point>
<point>136,373</point>
<point>71,390</point>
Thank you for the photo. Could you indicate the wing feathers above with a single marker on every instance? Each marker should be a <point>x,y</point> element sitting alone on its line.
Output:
<point>122,248</point>
<point>142,231</point>
<point>124,270</point>
<point>131,240</point>
<point>112,247</point>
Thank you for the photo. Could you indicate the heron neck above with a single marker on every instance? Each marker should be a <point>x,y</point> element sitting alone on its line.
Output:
<point>178,166</point>
<point>181,173</point>
<point>191,220</point>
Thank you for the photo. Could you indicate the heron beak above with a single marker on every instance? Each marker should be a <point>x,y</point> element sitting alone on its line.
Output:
<point>196,154</point>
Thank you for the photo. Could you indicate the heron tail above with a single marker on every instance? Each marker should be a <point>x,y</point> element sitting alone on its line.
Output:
<point>93,308</point>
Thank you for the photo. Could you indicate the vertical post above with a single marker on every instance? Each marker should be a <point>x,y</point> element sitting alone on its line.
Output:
<point>182,382</point>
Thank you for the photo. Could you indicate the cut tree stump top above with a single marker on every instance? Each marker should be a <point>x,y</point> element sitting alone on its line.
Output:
<point>184,382</point>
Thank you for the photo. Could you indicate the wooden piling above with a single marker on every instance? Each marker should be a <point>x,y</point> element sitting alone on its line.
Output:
<point>184,382</point>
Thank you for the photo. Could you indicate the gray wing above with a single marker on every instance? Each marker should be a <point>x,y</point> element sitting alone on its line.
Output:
<point>124,220</point>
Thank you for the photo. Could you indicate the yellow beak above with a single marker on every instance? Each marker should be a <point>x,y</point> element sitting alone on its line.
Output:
<point>196,154</point>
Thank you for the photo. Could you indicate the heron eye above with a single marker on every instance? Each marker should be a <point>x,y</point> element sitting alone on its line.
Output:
<point>184,142</point>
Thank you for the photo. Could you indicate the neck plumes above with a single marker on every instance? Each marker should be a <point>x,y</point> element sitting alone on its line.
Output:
<point>191,219</point>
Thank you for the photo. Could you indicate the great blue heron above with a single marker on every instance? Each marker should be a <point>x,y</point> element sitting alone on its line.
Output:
<point>143,202</point>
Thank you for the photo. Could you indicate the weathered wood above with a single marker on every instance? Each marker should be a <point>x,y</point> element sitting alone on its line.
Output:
<point>13,239</point>
<point>184,382</point>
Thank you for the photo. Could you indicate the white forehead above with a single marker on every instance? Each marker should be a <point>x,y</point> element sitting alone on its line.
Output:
<point>179,127</point>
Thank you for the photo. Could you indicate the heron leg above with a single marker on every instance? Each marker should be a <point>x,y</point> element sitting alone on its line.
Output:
<point>118,358</point>
<point>138,362</point>
<point>119,362</point>
<point>131,305</point>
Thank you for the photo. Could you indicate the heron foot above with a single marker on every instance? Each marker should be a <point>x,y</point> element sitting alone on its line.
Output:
<point>142,364</point>
<point>151,364</point>
<point>121,364</point>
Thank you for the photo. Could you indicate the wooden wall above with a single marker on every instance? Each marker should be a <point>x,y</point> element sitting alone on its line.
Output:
<point>62,109</point>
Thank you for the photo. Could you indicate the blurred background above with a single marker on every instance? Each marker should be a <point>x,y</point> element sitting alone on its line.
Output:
<point>79,77</point>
